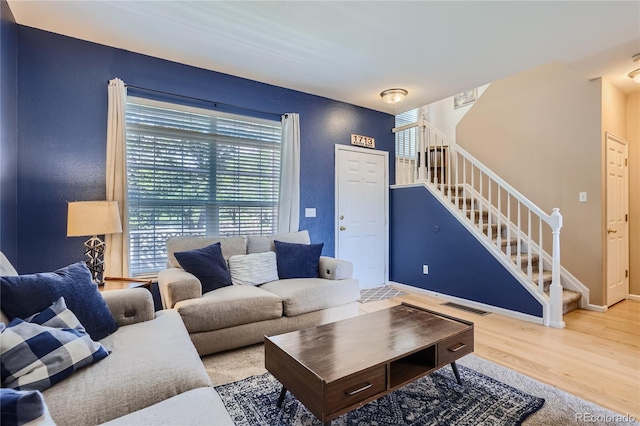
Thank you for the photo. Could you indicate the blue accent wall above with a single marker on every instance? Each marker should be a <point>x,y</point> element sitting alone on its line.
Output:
<point>424,232</point>
<point>8,134</point>
<point>62,88</point>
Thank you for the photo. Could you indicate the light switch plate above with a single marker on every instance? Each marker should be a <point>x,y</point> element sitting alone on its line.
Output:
<point>582,197</point>
<point>310,212</point>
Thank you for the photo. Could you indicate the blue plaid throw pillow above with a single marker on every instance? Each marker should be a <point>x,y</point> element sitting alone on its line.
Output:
<point>23,408</point>
<point>46,348</point>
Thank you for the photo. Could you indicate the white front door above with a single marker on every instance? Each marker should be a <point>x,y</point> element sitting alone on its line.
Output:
<point>617,220</point>
<point>361,213</point>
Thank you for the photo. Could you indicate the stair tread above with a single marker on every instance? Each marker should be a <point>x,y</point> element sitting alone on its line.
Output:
<point>524,258</point>
<point>547,276</point>
<point>568,296</point>
<point>505,242</point>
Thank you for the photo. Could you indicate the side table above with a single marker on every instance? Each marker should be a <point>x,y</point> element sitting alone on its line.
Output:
<point>120,283</point>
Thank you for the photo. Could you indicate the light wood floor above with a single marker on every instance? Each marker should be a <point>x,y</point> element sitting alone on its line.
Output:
<point>596,357</point>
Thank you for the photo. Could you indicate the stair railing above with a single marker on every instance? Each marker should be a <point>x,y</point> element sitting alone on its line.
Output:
<point>506,218</point>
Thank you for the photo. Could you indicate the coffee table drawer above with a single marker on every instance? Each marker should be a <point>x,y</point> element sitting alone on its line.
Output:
<point>358,387</point>
<point>455,347</point>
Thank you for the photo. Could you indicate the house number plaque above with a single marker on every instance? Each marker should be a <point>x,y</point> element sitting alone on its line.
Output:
<point>364,141</point>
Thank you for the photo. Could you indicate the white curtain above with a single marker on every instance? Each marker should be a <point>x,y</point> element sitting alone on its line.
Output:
<point>289,201</point>
<point>117,245</point>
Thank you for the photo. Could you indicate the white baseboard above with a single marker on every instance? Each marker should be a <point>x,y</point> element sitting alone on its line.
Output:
<point>595,308</point>
<point>471,303</point>
<point>635,297</point>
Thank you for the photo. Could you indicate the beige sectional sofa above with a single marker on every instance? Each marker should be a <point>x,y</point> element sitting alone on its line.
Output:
<point>240,315</point>
<point>153,375</point>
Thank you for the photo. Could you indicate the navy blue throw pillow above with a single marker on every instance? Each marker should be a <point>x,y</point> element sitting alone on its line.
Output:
<point>298,260</point>
<point>208,265</point>
<point>24,295</point>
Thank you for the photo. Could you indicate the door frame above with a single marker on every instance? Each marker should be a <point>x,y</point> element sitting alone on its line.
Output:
<point>607,136</point>
<point>384,154</point>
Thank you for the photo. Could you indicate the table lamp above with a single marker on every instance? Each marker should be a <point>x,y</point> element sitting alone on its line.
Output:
<point>93,218</point>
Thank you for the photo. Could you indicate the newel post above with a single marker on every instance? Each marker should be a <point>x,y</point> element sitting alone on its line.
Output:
<point>555,290</point>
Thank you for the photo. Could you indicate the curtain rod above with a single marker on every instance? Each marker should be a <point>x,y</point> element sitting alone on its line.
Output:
<point>206,100</point>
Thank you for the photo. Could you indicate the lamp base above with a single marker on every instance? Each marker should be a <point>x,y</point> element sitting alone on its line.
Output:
<point>95,251</point>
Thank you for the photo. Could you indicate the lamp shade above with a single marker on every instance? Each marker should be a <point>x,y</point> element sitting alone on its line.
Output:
<point>93,218</point>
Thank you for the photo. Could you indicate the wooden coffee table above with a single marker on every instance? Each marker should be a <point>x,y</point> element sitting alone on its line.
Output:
<point>335,368</point>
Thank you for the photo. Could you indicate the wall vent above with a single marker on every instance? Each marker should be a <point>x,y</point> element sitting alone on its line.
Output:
<point>466,308</point>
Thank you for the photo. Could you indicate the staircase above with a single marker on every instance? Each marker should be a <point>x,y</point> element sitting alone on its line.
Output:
<point>520,235</point>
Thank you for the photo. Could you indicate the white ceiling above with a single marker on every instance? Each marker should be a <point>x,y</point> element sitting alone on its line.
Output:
<point>351,51</point>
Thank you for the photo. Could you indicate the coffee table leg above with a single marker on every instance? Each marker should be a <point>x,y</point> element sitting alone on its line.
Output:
<point>283,392</point>
<point>454,367</point>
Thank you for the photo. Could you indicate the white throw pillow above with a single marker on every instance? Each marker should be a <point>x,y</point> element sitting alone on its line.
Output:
<point>253,269</point>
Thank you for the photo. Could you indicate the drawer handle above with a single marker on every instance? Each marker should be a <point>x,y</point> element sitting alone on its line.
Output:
<point>457,348</point>
<point>364,388</point>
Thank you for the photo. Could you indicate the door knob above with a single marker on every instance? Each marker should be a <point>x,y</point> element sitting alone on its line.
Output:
<point>343,228</point>
<point>611,231</point>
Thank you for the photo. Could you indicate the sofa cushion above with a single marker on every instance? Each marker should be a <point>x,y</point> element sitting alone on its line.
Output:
<point>45,349</point>
<point>253,269</point>
<point>301,295</point>
<point>262,243</point>
<point>24,408</point>
<point>298,260</point>
<point>207,264</point>
<point>230,246</point>
<point>24,295</point>
<point>149,362</point>
<point>201,406</point>
<point>229,306</point>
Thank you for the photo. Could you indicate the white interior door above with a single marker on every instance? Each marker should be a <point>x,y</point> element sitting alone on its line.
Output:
<point>617,220</point>
<point>361,213</point>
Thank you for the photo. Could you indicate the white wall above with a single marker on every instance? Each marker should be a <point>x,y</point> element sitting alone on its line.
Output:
<point>444,117</point>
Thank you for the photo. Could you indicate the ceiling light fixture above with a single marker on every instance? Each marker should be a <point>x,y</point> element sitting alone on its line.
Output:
<point>393,96</point>
<point>635,74</point>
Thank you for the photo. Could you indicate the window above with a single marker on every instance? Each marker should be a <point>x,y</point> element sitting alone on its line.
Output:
<point>197,172</point>
<point>406,140</point>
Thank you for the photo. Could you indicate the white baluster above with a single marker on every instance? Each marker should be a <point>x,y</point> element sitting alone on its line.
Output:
<point>529,263</point>
<point>518,243</point>
<point>480,198</point>
<point>489,205</point>
<point>540,262</point>
<point>473,211</point>
<point>464,188</point>
<point>448,167</point>
<point>499,213</point>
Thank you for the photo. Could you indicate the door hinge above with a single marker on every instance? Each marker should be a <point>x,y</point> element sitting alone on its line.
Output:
<point>626,273</point>
<point>625,162</point>
<point>626,218</point>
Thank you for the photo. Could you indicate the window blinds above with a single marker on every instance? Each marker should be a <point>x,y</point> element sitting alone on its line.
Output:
<point>197,172</point>
<point>406,140</point>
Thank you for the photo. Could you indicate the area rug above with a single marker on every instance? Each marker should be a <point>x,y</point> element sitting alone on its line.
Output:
<point>560,408</point>
<point>436,399</point>
<point>379,293</point>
